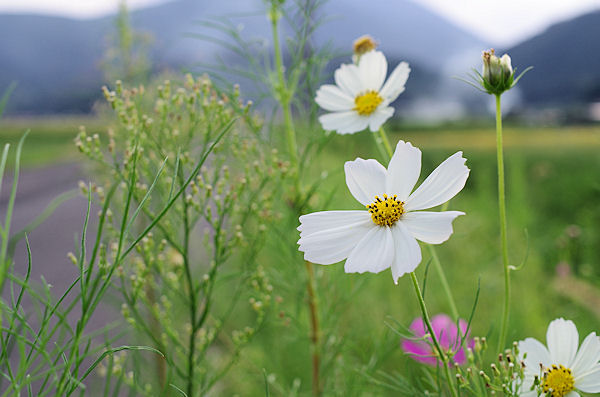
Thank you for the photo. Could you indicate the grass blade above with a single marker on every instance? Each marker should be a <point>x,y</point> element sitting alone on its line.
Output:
<point>6,96</point>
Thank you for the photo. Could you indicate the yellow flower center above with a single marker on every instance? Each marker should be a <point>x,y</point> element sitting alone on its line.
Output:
<point>364,44</point>
<point>558,381</point>
<point>366,103</point>
<point>387,211</point>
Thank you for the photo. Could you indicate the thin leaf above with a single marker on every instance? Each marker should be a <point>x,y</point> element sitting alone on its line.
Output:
<point>267,394</point>
<point>115,350</point>
<point>425,276</point>
<point>477,87</point>
<point>11,202</point>
<point>49,210</point>
<point>178,389</point>
<point>175,173</point>
<point>464,336</point>
<point>6,96</point>
<point>146,197</point>
<point>82,248</point>
<point>526,256</point>
<point>3,163</point>
<point>521,75</point>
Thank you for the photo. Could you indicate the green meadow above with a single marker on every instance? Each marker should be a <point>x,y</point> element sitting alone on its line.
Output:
<point>553,190</point>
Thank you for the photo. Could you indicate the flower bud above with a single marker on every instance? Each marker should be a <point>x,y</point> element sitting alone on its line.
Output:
<point>497,75</point>
<point>361,46</point>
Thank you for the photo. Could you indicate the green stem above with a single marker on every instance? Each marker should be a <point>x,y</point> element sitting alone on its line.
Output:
<point>438,267</point>
<point>385,142</point>
<point>283,92</point>
<point>443,357</point>
<point>380,148</point>
<point>502,212</point>
<point>192,296</point>
<point>285,97</point>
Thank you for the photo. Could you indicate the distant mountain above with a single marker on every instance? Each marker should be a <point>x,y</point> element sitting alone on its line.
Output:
<point>566,61</point>
<point>56,61</point>
<point>404,29</point>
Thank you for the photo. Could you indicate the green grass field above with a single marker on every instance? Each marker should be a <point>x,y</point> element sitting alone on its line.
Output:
<point>553,191</point>
<point>50,139</point>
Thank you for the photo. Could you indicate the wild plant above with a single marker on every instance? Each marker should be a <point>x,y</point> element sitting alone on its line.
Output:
<point>199,267</point>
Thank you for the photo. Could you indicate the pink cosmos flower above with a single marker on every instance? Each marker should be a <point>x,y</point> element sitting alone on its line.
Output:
<point>447,335</point>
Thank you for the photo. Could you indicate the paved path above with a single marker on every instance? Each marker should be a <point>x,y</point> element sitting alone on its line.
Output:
<point>56,236</point>
<point>60,232</point>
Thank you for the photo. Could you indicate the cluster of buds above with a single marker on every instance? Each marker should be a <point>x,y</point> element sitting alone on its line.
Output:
<point>503,377</point>
<point>262,291</point>
<point>89,145</point>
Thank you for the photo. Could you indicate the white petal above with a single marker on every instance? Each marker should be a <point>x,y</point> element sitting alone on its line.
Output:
<point>588,382</point>
<point>394,85</point>
<point>531,393</point>
<point>339,234</point>
<point>332,98</point>
<point>536,354</point>
<point>373,69</point>
<point>373,253</point>
<point>347,78</point>
<point>344,122</point>
<point>365,179</point>
<point>444,183</point>
<point>408,253</point>
<point>430,227</point>
<point>527,383</point>
<point>319,221</point>
<point>572,393</point>
<point>379,117</point>
<point>562,339</point>
<point>403,170</point>
<point>588,354</point>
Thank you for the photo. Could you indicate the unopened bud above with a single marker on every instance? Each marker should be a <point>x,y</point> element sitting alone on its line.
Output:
<point>497,74</point>
<point>362,45</point>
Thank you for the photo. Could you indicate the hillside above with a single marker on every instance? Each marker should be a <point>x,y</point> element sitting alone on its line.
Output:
<point>56,61</point>
<point>566,61</point>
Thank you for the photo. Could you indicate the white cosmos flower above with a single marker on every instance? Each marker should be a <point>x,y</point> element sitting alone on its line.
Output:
<point>565,368</point>
<point>359,98</point>
<point>385,235</point>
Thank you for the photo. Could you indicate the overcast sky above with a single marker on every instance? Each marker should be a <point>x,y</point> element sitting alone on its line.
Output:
<point>501,22</point>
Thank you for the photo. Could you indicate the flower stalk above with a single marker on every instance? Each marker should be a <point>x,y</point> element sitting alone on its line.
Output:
<point>440,270</point>
<point>502,214</point>
<point>443,357</point>
<point>383,140</point>
<point>283,92</point>
<point>314,329</point>
<point>284,95</point>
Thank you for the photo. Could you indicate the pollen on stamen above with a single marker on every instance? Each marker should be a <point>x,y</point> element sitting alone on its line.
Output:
<point>386,212</point>
<point>558,381</point>
<point>367,103</point>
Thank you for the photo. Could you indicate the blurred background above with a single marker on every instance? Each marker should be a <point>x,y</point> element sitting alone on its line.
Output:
<point>55,55</point>
<point>59,52</point>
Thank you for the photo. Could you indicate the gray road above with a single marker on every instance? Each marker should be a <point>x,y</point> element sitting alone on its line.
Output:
<point>56,236</point>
